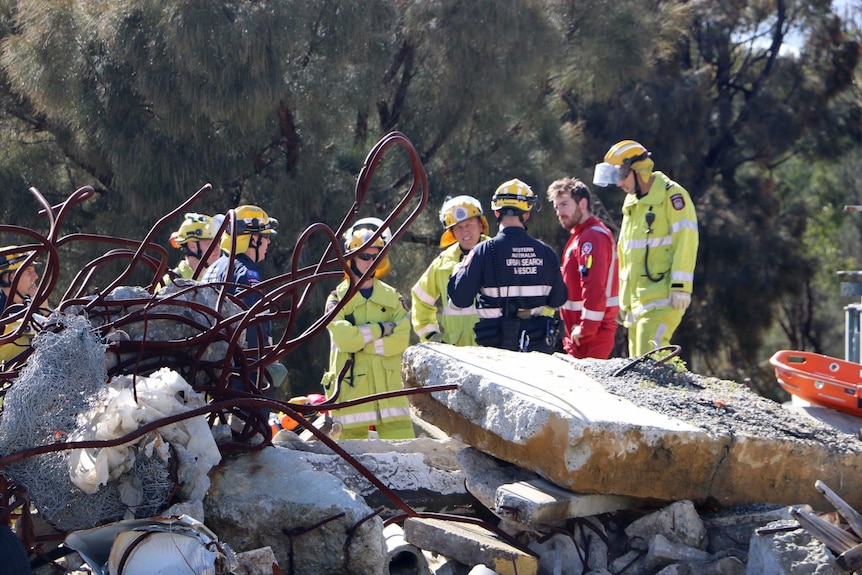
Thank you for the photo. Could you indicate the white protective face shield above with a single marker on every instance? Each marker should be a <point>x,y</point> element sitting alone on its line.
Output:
<point>607,174</point>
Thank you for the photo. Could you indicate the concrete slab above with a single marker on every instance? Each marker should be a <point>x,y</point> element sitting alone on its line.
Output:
<point>539,501</point>
<point>469,544</point>
<point>516,494</point>
<point>541,413</point>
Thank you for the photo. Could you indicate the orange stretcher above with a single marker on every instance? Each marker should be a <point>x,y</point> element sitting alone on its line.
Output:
<point>820,379</point>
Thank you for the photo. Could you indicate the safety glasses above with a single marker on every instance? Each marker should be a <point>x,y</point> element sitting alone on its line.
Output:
<point>623,172</point>
<point>366,257</point>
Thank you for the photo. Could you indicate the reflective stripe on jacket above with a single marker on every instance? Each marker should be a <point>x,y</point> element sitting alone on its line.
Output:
<point>591,275</point>
<point>457,323</point>
<point>671,241</point>
<point>355,334</point>
<point>525,275</point>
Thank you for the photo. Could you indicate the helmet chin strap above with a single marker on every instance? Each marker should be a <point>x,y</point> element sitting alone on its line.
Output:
<point>356,271</point>
<point>197,253</point>
<point>255,242</point>
<point>639,193</point>
<point>6,283</point>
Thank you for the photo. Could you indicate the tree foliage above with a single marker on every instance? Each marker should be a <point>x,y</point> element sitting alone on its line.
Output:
<point>723,114</point>
<point>277,103</point>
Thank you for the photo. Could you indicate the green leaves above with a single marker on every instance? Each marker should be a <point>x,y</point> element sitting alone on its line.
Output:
<point>277,104</point>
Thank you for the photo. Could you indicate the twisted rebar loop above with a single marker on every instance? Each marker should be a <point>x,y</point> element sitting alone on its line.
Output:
<point>281,299</point>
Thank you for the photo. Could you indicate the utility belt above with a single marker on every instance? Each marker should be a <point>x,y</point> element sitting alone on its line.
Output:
<point>515,333</point>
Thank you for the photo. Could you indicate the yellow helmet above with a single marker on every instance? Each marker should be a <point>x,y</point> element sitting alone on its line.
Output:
<point>194,227</point>
<point>456,210</point>
<point>623,156</point>
<point>11,262</point>
<point>629,153</point>
<point>513,198</point>
<point>249,220</point>
<point>359,234</point>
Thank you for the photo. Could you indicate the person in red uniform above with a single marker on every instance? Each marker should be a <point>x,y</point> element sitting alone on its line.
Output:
<point>590,271</point>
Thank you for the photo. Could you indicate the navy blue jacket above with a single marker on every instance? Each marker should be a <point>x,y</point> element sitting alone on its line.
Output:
<point>245,272</point>
<point>524,275</point>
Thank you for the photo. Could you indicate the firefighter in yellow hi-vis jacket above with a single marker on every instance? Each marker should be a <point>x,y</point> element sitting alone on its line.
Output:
<point>373,330</point>
<point>657,246</point>
<point>196,234</point>
<point>465,226</point>
<point>17,269</point>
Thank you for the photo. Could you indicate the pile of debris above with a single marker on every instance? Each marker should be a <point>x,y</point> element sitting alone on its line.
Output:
<point>637,444</point>
<point>536,464</point>
<point>538,469</point>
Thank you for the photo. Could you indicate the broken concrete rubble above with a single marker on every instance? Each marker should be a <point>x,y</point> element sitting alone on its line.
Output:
<point>312,522</point>
<point>559,553</point>
<point>257,495</point>
<point>679,521</point>
<point>291,499</point>
<point>662,552</point>
<point>789,551</point>
<point>470,545</point>
<point>511,492</point>
<point>257,561</point>
<point>730,528</point>
<point>422,472</point>
<point>673,537</point>
<point>546,415</point>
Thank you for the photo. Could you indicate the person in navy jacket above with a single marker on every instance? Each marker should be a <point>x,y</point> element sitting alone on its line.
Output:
<point>513,278</point>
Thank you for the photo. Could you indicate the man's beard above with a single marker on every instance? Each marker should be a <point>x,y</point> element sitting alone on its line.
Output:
<point>571,222</point>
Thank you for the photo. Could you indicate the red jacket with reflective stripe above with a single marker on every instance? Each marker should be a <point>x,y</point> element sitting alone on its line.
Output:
<point>591,274</point>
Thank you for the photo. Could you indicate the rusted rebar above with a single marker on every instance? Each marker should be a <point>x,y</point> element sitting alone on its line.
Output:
<point>236,384</point>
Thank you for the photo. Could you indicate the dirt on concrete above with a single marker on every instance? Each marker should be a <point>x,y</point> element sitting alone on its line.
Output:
<point>715,405</point>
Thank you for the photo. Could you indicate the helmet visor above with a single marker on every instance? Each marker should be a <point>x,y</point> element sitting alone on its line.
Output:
<point>607,174</point>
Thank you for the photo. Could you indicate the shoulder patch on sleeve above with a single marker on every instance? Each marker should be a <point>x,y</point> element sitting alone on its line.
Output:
<point>677,201</point>
<point>587,248</point>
